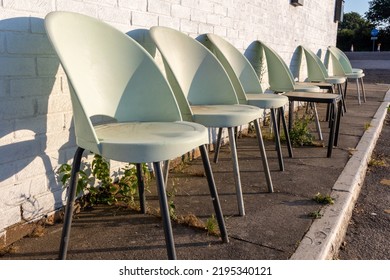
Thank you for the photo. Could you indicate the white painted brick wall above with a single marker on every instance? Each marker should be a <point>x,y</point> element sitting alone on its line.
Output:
<point>36,133</point>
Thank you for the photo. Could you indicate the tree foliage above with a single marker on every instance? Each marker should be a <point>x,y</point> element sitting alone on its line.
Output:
<point>379,13</point>
<point>354,21</point>
<point>354,30</point>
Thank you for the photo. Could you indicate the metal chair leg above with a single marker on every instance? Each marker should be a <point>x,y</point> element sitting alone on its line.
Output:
<point>236,171</point>
<point>290,114</point>
<point>358,91</point>
<point>331,140</point>
<point>345,94</point>
<point>340,91</point>
<point>277,140</point>
<point>317,121</point>
<point>327,112</point>
<point>363,89</point>
<point>164,211</point>
<point>218,145</point>
<point>70,204</point>
<point>166,171</point>
<point>263,156</point>
<point>214,194</point>
<point>141,188</point>
<point>286,132</point>
<point>338,116</point>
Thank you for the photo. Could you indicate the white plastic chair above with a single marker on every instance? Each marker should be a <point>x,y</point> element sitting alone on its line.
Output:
<point>111,75</point>
<point>205,93</point>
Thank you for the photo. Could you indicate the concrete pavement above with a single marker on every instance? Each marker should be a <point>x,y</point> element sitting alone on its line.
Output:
<point>277,225</point>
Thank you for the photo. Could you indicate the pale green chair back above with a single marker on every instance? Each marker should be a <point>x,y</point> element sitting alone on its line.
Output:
<point>239,69</point>
<point>316,69</point>
<point>108,83</point>
<point>192,68</point>
<point>342,67</point>
<point>246,82</point>
<point>280,77</point>
<point>343,60</point>
<point>197,76</point>
<point>111,75</point>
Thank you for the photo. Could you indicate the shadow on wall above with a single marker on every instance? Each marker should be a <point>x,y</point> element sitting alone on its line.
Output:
<point>28,149</point>
<point>296,64</point>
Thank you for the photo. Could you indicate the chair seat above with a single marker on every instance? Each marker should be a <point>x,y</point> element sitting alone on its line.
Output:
<point>149,141</point>
<point>225,115</point>
<point>357,70</point>
<point>355,75</point>
<point>306,87</point>
<point>335,80</point>
<point>317,84</point>
<point>266,101</point>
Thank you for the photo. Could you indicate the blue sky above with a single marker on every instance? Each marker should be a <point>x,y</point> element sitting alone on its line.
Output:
<point>358,6</point>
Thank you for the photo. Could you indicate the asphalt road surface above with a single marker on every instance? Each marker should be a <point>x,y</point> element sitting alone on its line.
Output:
<point>368,235</point>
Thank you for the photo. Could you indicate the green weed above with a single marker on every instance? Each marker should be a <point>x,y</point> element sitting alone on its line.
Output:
<point>96,185</point>
<point>323,199</point>
<point>315,215</point>
<point>300,134</point>
<point>212,225</point>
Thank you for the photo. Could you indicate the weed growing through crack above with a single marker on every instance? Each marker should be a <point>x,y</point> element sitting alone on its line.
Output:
<point>300,134</point>
<point>212,225</point>
<point>323,199</point>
